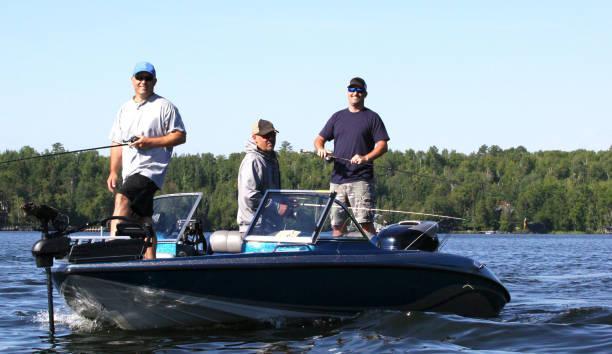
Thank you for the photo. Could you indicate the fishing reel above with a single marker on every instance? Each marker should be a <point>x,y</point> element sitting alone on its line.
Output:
<point>130,140</point>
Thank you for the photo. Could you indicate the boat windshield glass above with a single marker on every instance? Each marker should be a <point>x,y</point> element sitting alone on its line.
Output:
<point>287,216</point>
<point>345,224</point>
<point>172,212</point>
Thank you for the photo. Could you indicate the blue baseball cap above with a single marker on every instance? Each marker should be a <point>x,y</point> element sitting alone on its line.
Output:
<point>144,66</point>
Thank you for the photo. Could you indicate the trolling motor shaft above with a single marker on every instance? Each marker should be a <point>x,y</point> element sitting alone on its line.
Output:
<point>50,245</point>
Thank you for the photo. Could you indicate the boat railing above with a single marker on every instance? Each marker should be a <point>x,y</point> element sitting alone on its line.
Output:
<point>100,238</point>
<point>274,239</point>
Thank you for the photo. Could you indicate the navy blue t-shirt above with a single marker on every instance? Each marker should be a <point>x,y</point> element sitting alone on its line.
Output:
<point>353,133</point>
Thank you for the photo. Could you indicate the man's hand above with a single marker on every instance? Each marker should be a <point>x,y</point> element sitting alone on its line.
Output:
<point>359,159</point>
<point>111,182</point>
<point>141,143</point>
<point>282,209</point>
<point>323,153</point>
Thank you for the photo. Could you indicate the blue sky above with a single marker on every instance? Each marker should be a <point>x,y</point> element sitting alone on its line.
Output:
<point>454,74</point>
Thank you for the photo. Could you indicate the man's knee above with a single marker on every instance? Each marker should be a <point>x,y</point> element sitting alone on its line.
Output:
<point>122,205</point>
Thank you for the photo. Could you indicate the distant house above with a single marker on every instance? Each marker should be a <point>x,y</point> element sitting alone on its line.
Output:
<point>534,227</point>
<point>4,211</point>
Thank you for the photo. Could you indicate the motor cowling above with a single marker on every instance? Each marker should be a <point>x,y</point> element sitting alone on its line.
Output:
<point>44,250</point>
<point>409,236</point>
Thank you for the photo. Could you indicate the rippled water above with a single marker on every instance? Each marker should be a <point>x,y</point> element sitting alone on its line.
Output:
<point>561,303</point>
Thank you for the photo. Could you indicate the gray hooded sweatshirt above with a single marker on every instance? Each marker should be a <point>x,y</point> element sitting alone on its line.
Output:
<point>259,171</point>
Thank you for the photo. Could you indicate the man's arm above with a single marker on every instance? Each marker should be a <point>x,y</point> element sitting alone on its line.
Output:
<point>248,193</point>
<point>115,165</point>
<point>379,149</point>
<point>319,144</point>
<point>173,138</point>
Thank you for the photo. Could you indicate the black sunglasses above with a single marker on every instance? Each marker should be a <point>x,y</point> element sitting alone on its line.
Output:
<point>144,77</point>
<point>356,89</point>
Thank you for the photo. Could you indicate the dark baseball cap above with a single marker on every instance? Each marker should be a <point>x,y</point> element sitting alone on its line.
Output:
<point>263,127</point>
<point>358,82</point>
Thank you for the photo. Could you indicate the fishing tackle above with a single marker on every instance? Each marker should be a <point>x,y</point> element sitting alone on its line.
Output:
<point>124,143</point>
<point>331,157</point>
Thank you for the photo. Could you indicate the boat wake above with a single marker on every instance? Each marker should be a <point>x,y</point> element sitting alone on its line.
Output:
<point>69,319</point>
<point>584,315</point>
<point>380,331</point>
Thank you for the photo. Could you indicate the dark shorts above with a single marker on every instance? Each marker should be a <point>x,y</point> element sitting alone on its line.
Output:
<point>140,191</point>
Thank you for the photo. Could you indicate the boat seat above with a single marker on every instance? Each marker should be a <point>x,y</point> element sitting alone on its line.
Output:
<point>224,241</point>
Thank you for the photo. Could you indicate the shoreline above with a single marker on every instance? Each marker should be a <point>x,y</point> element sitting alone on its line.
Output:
<point>484,233</point>
<point>38,229</point>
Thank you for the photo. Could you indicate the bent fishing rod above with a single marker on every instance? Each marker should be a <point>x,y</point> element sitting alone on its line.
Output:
<point>124,143</point>
<point>393,211</point>
<point>331,158</point>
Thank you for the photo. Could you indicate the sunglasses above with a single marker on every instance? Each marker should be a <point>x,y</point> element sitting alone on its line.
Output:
<point>269,136</point>
<point>144,77</point>
<point>356,89</point>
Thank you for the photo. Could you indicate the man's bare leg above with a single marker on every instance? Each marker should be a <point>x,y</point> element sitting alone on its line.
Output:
<point>122,208</point>
<point>369,228</point>
<point>338,231</point>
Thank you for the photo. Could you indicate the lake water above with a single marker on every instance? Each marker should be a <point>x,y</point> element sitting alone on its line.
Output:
<point>561,303</point>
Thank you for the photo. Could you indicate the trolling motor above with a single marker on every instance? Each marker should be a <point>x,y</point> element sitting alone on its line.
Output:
<point>51,245</point>
<point>57,244</point>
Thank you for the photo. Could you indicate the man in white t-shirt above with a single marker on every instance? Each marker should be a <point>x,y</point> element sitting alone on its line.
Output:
<point>152,125</point>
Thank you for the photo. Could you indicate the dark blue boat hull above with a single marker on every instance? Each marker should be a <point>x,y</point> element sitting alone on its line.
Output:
<point>335,279</point>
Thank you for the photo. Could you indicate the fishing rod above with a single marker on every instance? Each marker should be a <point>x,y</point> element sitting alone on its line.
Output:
<point>409,213</point>
<point>124,143</point>
<point>393,211</point>
<point>331,157</point>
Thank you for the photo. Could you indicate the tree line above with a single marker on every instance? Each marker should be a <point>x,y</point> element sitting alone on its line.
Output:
<point>492,189</point>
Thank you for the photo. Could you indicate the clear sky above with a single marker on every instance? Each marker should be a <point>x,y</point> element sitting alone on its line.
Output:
<point>454,74</point>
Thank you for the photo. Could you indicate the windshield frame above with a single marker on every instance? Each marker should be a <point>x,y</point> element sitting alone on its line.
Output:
<point>189,216</point>
<point>331,199</point>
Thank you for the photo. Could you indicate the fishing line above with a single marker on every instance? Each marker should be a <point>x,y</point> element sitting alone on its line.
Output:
<point>408,212</point>
<point>124,143</point>
<point>422,233</point>
<point>391,211</point>
<point>443,241</point>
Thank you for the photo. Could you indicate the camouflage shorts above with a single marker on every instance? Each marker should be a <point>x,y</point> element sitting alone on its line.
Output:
<point>359,196</point>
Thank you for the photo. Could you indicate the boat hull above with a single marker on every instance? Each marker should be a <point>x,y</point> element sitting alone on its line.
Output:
<point>293,285</point>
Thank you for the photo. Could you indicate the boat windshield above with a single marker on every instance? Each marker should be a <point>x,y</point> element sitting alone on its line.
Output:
<point>290,216</point>
<point>347,227</point>
<point>172,213</point>
<point>300,217</point>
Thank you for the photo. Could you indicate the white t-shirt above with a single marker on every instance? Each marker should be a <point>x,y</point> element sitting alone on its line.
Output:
<point>151,118</point>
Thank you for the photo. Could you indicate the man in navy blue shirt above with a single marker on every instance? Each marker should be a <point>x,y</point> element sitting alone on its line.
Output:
<point>359,137</point>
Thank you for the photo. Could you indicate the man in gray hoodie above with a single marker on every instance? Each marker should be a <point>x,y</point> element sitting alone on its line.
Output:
<point>259,171</point>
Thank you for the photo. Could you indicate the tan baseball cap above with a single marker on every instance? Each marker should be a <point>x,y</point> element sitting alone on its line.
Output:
<point>263,127</point>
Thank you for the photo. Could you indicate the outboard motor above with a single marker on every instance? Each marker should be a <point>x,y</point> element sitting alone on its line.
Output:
<point>409,235</point>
